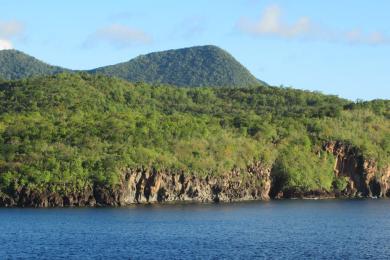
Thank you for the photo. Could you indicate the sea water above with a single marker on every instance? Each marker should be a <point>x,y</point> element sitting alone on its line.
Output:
<point>290,229</point>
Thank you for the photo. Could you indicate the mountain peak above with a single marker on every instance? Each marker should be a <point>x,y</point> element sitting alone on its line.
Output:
<point>206,65</point>
<point>196,66</point>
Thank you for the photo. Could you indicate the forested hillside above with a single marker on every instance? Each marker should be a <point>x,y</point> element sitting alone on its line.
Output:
<point>77,129</point>
<point>194,66</point>
<point>191,67</point>
<point>16,65</point>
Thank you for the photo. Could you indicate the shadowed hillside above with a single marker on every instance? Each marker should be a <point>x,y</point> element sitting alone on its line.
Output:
<point>16,65</point>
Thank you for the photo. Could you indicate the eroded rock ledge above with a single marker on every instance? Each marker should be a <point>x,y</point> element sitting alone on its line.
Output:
<point>364,177</point>
<point>149,186</point>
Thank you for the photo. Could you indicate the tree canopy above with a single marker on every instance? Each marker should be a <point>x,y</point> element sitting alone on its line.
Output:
<point>16,65</point>
<point>77,129</point>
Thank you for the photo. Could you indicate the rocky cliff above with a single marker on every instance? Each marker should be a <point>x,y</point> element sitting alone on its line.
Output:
<point>149,186</point>
<point>364,178</point>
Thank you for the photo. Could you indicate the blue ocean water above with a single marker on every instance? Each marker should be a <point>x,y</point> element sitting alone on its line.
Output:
<point>293,229</point>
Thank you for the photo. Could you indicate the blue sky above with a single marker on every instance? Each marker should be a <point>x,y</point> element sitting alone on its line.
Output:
<point>336,47</point>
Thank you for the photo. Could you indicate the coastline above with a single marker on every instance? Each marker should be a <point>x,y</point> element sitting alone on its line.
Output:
<point>256,183</point>
<point>327,197</point>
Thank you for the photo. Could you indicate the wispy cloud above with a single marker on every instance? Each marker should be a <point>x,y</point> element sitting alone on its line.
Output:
<point>272,23</point>
<point>5,45</point>
<point>119,36</point>
<point>357,36</point>
<point>9,30</point>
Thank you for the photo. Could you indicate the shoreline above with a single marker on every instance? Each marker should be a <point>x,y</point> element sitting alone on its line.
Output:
<point>186,202</point>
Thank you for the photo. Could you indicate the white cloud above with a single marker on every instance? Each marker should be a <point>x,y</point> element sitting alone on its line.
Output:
<point>5,45</point>
<point>358,37</point>
<point>271,23</point>
<point>9,30</point>
<point>120,36</point>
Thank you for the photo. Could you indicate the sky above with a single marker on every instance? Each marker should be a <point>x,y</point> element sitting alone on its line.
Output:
<point>335,47</point>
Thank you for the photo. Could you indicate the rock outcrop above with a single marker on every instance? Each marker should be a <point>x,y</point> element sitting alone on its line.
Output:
<point>148,185</point>
<point>363,175</point>
<point>43,198</point>
<point>152,186</point>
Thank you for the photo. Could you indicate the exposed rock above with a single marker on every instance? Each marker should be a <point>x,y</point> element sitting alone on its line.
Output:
<point>147,185</point>
<point>385,183</point>
<point>364,177</point>
<point>42,198</point>
<point>311,194</point>
<point>152,186</point>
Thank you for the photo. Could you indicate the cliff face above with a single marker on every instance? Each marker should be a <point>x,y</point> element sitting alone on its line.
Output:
<point>149,186</point>
<point>363,176</point>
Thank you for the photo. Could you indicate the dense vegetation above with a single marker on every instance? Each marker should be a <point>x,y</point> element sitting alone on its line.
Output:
<point>16,65</point>
<point>70,130</point>
<point>195,66</point>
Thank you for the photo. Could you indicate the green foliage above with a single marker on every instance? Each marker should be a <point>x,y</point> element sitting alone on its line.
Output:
<point>340,183</point>
<point>300,168</point>
<point>378,106</point>
<point>363,128</point>
<point>73,130</point>
<point>195,66</point>
<point>16,65</point>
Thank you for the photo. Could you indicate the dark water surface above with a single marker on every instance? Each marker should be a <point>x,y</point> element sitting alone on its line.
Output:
<point>340,229</point>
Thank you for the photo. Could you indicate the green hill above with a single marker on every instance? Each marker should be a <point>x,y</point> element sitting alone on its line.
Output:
<point>16,65</point>
<point>195,66</point>
<point>74,130</point>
